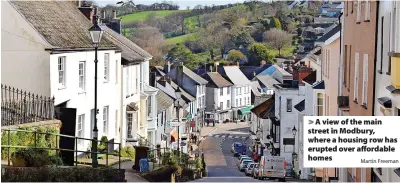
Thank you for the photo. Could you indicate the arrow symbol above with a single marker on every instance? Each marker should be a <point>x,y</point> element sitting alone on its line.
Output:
<point>310,122</point>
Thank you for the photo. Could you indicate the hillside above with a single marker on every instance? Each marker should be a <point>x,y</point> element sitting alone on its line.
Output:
<point>140,16</point>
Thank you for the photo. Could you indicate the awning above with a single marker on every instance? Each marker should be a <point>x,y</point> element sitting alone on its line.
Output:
<point>245,110</point>
<point>132,107</point>
<point>174,135</point>
<point>385,102</point>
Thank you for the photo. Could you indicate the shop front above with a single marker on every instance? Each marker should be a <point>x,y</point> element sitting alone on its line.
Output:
<point>244,113</point>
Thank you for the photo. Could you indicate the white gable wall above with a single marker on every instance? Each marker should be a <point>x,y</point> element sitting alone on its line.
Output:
<point>25,64</point>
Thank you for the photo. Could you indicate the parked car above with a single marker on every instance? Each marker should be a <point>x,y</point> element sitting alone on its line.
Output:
<point>238,148</point>
<point>245,158</point>
<point>241,156</point>
<point>243,164</point>
<point>233,146</point>
<point>256,170</point>
<point>249,169</point>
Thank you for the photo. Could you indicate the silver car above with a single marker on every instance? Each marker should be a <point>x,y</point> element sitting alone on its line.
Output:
<point>249,168</point>
<point>243,165</point>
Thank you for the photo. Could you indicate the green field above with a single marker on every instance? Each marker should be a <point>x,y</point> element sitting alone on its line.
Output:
<point>140,16</point>
<point>178,39</point>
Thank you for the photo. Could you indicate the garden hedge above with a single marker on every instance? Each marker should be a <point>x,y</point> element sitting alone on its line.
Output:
<point>62,174</point>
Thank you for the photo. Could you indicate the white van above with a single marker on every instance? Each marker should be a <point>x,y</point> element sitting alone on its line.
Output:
<point>272,167</point>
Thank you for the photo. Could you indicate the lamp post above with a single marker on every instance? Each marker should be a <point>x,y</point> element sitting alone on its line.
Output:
<point>294,154</point>
<point>95,33</point>
<point>178,94</point>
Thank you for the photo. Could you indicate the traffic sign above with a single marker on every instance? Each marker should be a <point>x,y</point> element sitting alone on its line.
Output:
<point>174,123</point>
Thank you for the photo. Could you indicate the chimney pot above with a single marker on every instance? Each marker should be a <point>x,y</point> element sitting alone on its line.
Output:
<point>262,63</point>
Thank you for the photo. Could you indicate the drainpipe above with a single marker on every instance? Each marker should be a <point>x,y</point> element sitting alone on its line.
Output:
<point>341,59</point>
<point>375,55</point>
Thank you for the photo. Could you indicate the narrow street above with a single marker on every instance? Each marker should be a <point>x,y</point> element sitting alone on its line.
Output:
<point>221,164</point>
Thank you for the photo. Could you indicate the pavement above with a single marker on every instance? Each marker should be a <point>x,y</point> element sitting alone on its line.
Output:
<point>221,164</point>
<point>130,175</point>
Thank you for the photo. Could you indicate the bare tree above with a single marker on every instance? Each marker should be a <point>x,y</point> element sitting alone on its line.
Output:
<point>150,39</point>
<point>278,39</point>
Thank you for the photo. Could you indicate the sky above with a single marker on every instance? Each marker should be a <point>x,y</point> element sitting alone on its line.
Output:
<point>182,3</point>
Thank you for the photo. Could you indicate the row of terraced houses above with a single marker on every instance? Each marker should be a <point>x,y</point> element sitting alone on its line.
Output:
<point>353,70</point>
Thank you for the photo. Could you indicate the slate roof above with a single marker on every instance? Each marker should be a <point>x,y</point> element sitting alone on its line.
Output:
<point>260,99</point>
<point>329,34</point>
<point>194,76</point>
<point>249,71</point>
<point>60,23</point>
<point>127,53</point>
<point>130,51</point>
<point>236,76</point>
<point>319,85</point>
<point>267,80</point>
<point>256,88</point>
<point>385,102</point>
<point>163,101</point>
<point>311,78</point>
<point>216,80</point>
<point>300,106</point>
<point>171,86</point>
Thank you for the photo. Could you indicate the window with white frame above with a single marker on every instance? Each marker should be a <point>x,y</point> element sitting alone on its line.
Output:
<point>367,10</point>
<point>82,79</point>
<point>357,57</point>
<point>248,100</point>
<point>358,11</point>
<point>320,104</point>
<point>61,71</point>
<point>221,91</point>
<point>228,104</point>
<point>221,106</point>
<point>149,106</point>
<point>80,125</point>
<point>240,102</point>
<point>240,90</point>
<point>237,91</point>
<point>105,120</point>
<point>228,90</point>
<point>237,103</point>
<point>129,120</point>
<point>245,101</point>
<point>106,66</point>
<point>204,101</point>
<point>365,80</point>
<point>289,105</point>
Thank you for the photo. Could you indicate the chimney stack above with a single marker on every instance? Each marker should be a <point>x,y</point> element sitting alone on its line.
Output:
<point>114,14</point>
<point>88,12</point>
<point>216,63</point>
<point>167,66</point>
<point>79,3</point>
<point>104,14</point>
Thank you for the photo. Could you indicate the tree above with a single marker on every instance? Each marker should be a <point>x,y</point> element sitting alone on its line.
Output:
<point>274,23</point>
<point>278,39</point>
<point>235,55</point>
<point>149,38</point>
<point>257,53</point>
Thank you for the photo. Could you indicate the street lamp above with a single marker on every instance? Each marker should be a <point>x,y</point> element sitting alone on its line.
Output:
<point>95,33</point>
<point>294,154</point>
<point>178,94</point>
